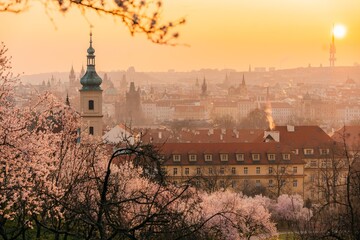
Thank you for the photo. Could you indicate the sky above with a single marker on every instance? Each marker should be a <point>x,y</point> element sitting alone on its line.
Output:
<point>221,34</point>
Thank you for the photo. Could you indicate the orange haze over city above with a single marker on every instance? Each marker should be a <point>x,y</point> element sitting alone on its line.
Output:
<point>220,34</point>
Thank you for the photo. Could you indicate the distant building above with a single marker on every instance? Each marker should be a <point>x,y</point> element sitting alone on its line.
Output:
<point>133,112</point>
<point>239,91</point>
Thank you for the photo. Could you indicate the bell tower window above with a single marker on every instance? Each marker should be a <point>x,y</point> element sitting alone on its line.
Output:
<point>91,130</point>
<point>91,104</point>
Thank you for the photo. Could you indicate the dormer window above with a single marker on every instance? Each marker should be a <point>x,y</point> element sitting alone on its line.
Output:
<point>192,157</point>
<point>208,157</point>
<point>91,104</point>
<point>308,151</point>
<point>224,157</point>
<point>271,157</point>
<point>256,157</point>
<point>176,158</point>
<point>239,157</point>
<point>286,156</point>
<point>324,151</point>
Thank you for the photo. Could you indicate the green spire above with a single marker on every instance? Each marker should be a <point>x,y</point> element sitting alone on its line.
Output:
<point>91,80</point>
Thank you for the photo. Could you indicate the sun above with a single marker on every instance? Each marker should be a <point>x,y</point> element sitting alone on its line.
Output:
<point>339,30</point>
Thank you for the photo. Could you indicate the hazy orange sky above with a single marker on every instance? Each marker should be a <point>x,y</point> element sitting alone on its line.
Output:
<point>221,34</point>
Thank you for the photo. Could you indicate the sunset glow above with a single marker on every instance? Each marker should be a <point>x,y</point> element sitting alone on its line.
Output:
<point>231,34</point>
<point>339,31</point>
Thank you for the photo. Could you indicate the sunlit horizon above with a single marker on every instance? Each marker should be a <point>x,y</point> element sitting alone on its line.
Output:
<point>232,35</point>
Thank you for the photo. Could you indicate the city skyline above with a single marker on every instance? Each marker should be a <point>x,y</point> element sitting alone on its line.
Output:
<point>231,35</point>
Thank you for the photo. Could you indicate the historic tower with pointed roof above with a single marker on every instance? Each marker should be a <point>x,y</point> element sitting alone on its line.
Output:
<point>91,97</point>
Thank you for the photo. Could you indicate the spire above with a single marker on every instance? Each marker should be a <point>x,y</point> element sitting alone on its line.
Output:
<point>243,81</point>
<point>197,82</point>
<point>204,88</point>
<point>90,80</point>
<point>82,72</point>
<point>67,101</point>
<point>72,73</point>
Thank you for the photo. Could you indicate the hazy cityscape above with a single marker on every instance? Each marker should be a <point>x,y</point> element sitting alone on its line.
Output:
<point>239,137</point>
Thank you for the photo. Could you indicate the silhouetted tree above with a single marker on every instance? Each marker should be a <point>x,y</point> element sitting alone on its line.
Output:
<point>255,120</point>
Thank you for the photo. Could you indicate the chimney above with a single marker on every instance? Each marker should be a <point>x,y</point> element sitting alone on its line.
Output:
<point>211,131</point>
<point>290,128</point>
<point>160,135</point>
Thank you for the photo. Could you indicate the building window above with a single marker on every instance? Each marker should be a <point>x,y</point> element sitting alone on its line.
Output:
<point>208,157</point>
<point>91,130</point>
<point>198,171</point>
<point>282,182</point>
<point>323,163</point>
<point>271,157</point>
<point>313,163</point>
<point>308,151</point>
<point>312,178</point>
<point>222,170</point>
<point>286,156</point>
<point>233,184</point>
<point>295,183</point>
<point>257,183</point>
<point>222,184</point>
<point>246,170</point>
<point>210,170</point>
<point>257,170</point>
<point>271,183</point>
<point>256,157</point>
<point>186,171</point>
<point>175,171</point>
<point>192,157</point>
<point>176,158</point>
<point>91,104</point>
<point>223,157</point>
<point>294,169</point>
<point>270,170</point>
<point>233,170</point>
<point>324,151</point>
<point>282,170</point>
<point>239,157</point>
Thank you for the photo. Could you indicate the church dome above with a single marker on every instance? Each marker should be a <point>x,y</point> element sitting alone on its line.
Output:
<point>91,50</point>
<point>91,81</point>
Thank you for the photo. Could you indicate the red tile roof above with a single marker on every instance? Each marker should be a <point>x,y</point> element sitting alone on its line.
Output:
<point>215,149</point>
<point>302,136</point>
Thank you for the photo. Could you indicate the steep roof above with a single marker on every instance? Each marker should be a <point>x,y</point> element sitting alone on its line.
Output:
<point>301,136</point>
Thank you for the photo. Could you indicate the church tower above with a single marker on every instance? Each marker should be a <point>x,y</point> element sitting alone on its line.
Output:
<point>72,77</point>
<point>91,97</point>
<point>204,89</point>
